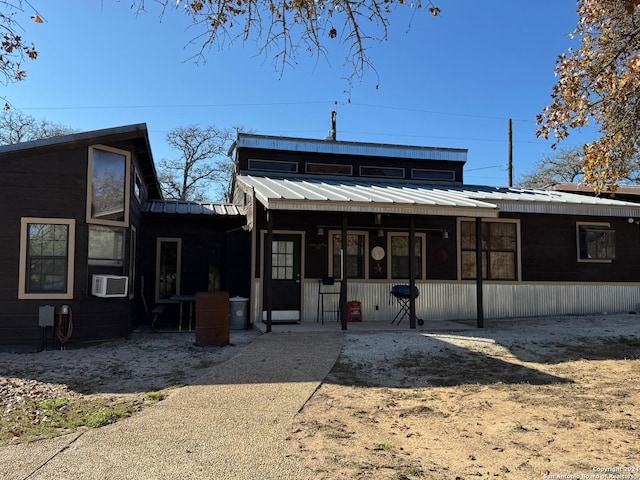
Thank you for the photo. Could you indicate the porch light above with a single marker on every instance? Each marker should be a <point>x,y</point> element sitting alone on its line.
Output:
<point>380,233</point>
<point>445,234</point>
<point>320,231</point>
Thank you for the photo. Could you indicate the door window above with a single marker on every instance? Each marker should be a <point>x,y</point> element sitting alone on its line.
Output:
<point>282,260</point>
<point>168,268</point>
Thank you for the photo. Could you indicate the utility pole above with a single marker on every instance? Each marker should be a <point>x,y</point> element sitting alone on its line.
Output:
<point>510,154</point>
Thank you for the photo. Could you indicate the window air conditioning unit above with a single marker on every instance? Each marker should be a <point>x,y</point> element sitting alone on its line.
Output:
<point>108,286</point>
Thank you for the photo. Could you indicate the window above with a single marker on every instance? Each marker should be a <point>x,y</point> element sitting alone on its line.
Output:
<point>328,169</point>
<point>106,245</point>
<point>355,254</point>
<point>133,252</point>
<point>168,268</point>
<point>433,175</point>
<point>399,255</point>
<point>46,258</point>
<point>499,250</point>
<point>387,172</point>
<point>282,260</point>
<point>273,166</point>
<point>108,186</point>
<point>137,187</point>
<point>596,242</point>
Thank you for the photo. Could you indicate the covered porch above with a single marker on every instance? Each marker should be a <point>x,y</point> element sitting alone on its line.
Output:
<point>394,234</point>
<point>434,224</point>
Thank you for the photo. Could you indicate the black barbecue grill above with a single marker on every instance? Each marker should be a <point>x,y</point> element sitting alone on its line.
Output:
<point>402,294</point>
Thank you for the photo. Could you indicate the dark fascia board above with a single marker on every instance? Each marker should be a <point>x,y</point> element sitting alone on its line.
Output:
<point>137,132</point>
<point>249,141</point>
<point>125,132</point>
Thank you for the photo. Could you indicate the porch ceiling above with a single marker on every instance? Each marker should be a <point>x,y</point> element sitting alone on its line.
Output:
<point>348,194</point>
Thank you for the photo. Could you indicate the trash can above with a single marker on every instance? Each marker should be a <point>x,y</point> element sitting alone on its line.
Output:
<point>354,312</point>
<point>212,318</point>
<point>239,315</point>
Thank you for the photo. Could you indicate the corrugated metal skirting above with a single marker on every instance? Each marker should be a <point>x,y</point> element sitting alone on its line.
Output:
<point>457,300</point>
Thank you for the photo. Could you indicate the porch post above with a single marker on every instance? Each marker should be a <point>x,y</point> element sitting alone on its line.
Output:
<point>343,283</point>
<point>412,273</point>
<point>479,299</point>
<point>267,290</point>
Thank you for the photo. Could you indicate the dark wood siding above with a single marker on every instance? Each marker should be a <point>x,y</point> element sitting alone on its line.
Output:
<point>441,259</point>
<point>549,250</point>
<point>357,161</point>
<point>51,183</point>
<point>206,240</point>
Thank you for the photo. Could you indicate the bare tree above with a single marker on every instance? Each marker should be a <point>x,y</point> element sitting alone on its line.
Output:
<point>567,165</point>
<point>286,29</point>
<point>564,166</point>
<point>16,127</point>
<point>203,166</point>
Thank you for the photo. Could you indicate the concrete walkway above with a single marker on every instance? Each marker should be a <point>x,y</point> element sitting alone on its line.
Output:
<point>232,426</point>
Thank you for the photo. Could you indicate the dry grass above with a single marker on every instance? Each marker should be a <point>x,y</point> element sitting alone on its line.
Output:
<point>480,404</point>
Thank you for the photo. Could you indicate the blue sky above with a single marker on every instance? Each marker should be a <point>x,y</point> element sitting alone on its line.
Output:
<point>448,81</point>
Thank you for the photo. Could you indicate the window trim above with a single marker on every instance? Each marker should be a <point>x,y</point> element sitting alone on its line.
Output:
<point>365,254</point>
<point>423,259</point>
<point>127,186</point>
<point>22,271</point>
<point>518,260</point>
<point>178,241</point>
<point>607,226</point>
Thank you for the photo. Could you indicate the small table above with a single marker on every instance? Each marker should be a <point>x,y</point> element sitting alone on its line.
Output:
<point>184,299</point>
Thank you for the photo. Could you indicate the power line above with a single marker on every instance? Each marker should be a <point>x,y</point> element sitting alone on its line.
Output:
<point>216,105</point>
<point>418,110</point>
<point>314,102</point>
<point>268,104</point>
<point>483,168</point>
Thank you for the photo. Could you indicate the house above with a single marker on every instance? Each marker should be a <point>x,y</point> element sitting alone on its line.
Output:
<point>629,193</point>
<point>542,252</point>
<point>88,243</point>
<point>319,230</point>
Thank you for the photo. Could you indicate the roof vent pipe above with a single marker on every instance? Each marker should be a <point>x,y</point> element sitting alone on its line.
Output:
<point>333,132</point>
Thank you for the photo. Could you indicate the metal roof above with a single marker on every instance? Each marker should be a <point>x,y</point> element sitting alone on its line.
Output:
<point>180,207</point>
<point>523,200</point>
<point>584,188</point>
<point>316,193</point>
<point>339,147</point>
<point>360,195</point>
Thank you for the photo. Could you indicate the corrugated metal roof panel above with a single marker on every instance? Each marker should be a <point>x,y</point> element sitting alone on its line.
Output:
<point>348,194</point>
<point>178,207</point>
<point>350,148</point>
<point>388,196</point>
<point>550,201</point>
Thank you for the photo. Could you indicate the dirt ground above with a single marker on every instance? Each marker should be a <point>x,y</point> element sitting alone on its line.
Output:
<point>522,399</point>
<point>146,361</point>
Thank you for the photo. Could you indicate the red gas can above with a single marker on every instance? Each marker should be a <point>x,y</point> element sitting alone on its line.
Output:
<point>354,312</point>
